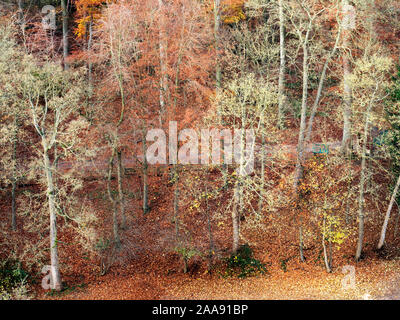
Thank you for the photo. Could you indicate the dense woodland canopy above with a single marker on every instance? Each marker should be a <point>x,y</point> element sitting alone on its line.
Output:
<point>84,82</point>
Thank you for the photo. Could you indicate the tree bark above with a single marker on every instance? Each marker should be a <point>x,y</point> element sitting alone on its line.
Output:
<point>387,216</point>
<point>14,178</point>
<point>282,66</point>
<point>65,33</point>
<point>216,36</point>
<point>346,137</point>
<point>300,145</point>
<point>120,190</point>
<point>55,268</point>
<point>176,201</point>
<point>163,67</point>
<point>320,87</point>
<point>145,174</point>
<point>117,240</point>
<point>235,220</point>
<point>362,183</point>
<point>326,259</point>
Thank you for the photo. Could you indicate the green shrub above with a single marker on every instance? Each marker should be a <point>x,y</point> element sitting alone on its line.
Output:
<point>11,277</point>
<point>243,264</point>
<point>186,253</point>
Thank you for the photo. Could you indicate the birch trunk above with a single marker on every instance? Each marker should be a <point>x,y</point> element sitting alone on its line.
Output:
<point>216,36</point>
<point>346,138</point>
<point>55,268</point>
<point>326,259</point>
<point>282,67</point>
<point>235,220</point>
<point>300,145</point>
<point>362,183</point>
<point>14,178</point>
<point>163,68</point>
<point>65,32</point>
<point>176,201</point>
<point>120,190</point>
<point>387,216</point>
<point>320,87</point>
<point>217,18</point>
<point>145,174</point>
<point>117,240</point>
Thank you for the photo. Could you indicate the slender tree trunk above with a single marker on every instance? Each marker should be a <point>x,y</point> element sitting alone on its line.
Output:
<point>282,67</point>
<point>117,240</point>
<point>320,88</point>
<point>176,201</point>
<point>13,206</point>
<point>262,175</point>
<point>14,178</point>
<point>235,219</point>
<point>348,195</point>
<point>120,189</point>
<point>145,173</point>
<point>210,235</point>
<point>238,196</point>
<point>362,183</point>
<point>89,112</point>
<point>55,267</point>
<point>217,18</point>
<point>387,216</point>
<point>65,32</point>
<point>396,225</point>
<point>326,259</point>
<point>346,138</point>
<point>89,47</point>
<point>216,36</point>
<point>301,244</point>
<point>163,66</point>
<point>300,145</point>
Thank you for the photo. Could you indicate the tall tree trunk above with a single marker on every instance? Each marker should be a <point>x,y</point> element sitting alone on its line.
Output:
<point>237,211</point>
<point>396,224</point>
<point>65,32</point>
<point>235,218</point>
<point>163,65</point>
<point>176,201</point>
<point>362,182</point>
<point>387,216</point>
<point>346,137</point>
<point>55,267</point>
<point>282,66</point>
<point>216,36</point>
<point>89,112</point>
<point>120,189</point>
<point>14,177</point>
<point>113,201</point>
<point>326,258</point>
<point>320,87</point>
<point>89,47</point>
<point>145,173</point>
<point>300,145</point>
<point>262,173</point>
<point>217,18</point>
<point>301,244</point>
<point>210,235</point>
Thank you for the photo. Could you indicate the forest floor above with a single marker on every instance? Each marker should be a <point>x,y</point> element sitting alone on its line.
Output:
<point>377,281</point>
<point>151,270</point>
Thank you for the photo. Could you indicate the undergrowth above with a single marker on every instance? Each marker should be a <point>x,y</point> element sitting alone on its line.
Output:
<point>243,264</point>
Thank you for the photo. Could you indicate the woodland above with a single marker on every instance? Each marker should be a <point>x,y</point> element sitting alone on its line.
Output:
<point>86,214</point>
